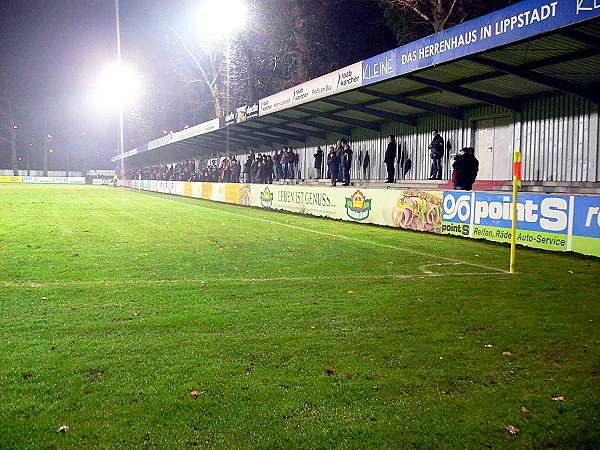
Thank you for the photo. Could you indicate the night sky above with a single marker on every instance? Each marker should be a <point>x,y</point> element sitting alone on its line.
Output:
<point>52,52</point>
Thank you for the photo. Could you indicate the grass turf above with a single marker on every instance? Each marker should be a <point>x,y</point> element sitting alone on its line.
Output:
<point>295,331</point>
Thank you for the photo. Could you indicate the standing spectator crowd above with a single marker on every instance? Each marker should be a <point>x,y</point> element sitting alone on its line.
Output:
<point>284,165</point>
<point>258,168</point>
<point>339,162</point>
<point>227,172</point>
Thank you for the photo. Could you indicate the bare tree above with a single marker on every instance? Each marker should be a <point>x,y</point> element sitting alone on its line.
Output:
<point>433,14</point>
<point>437,13</point>
<point>8,125</point>
<point>284,43</point>
<point>265,55</point>
<point>205,65</point>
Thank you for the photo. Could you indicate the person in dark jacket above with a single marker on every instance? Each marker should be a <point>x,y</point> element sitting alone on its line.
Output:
<point>277,163</point>
<point>247,171</point>
<point>285,163</point>
<point>333,164</point>
<point>329,155</point>
<point>466,167</point>
<point>346,161</point>
<point>436,149</point>
<point>390,158</point>
<point>235,170</point>
<point>318,163</point>
<point>254,171</point>
<point>366,166</point>
<point>295,163</point>
<point>269,170</point>
<point>339,152</point>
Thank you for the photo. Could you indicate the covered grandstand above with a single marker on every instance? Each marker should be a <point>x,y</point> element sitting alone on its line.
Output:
<point>525,77</point>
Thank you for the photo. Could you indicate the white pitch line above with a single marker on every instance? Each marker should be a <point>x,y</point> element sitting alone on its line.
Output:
<point>217,280</point>
<point>349,238</point>
<point>425,267</point>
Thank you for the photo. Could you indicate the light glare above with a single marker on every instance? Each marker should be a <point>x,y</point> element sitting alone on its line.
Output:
<point>223,16</point>
<point>118,86</point>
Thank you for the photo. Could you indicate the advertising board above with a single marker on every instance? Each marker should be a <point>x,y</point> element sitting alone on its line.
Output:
<point>586,225</point>
<point>547,221</point>
<point>341,80</point>
<point>53,180</point>
<point>196,130</point>
<point>552,222</point>
<point>512,24</point>
<point>10,179</point>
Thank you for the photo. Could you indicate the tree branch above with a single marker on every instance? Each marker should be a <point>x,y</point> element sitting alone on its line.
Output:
<point>450,12</point>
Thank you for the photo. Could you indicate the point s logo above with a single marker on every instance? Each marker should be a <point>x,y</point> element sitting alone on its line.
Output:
<point>266,198</point>
<point>358,207</point>
<point>457,208</point>
<point>534,212</point>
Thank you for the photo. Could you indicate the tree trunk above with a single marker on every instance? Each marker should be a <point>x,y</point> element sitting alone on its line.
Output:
<point>439,17</point>
<point>302,43</point>
<point>251,73</point>
<point>216,97</point>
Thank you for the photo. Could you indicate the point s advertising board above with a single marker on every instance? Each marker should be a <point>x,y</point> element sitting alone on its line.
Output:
<point>551,222</point>
<point>586,225</point>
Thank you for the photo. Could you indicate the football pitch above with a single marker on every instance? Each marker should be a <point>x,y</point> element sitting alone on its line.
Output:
<point>152,321</point>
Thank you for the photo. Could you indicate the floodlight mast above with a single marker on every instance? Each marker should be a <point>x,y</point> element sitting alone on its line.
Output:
<point>120,140</point>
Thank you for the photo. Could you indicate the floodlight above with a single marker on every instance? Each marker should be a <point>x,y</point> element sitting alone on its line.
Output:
<point>118,86</point>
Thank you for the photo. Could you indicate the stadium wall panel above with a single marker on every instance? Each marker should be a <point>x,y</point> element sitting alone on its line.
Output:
<point>558,136</point>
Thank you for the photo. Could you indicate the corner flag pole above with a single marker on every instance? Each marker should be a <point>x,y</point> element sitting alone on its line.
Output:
<point>516,185</point>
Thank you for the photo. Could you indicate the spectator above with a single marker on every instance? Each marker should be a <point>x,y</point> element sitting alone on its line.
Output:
<point>254,170</point>
<point>235,170</point>
<point>333,164</point>
<point>436,149</point>
<point>291,163</point>
<point>366,166</point>
<point>390,158</point>
<point>248,170</point>
<point>295,162</point>
<point>225,175</point>
<point>318,163</point>
<point>277,164</point>
<point>285,162</point>
<point>339,151</point>
<point>466,167</point>
<point>329,156</point>
<point>347,161</point>
<point>269,170</point>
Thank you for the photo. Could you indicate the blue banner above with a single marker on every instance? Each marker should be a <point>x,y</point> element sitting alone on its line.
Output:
<point>549,221</point>
<point>586,218</point>
<point>379,67</point>
<point>535,212</point>
<point>514,23</point>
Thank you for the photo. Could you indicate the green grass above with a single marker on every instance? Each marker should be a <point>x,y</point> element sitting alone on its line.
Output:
<point>115,305</point>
